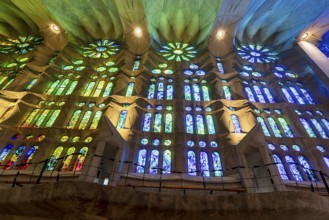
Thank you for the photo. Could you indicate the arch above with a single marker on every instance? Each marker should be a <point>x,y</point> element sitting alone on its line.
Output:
<point>264,127</point>
<point>147,122</point>
<point>96,119</point>
<point>168,123</point>
<point>274,126</point>
<point>280,167</point>
<point>122,119</point>
<point>15,156</point>
<point>211,125</point>
<point>28,157</point>
<point>67,159</point>
<point>154,162</point>
<point>285,127</point>
<point>307,127</point>
<point>293,168</point>
<point>157,123</point>
<point>236,124</point>
<point>166,164</point>
<point>80,159</point>
<point>217,164</point>
<point>54,158</point>
<point>74,119</point>
<point>5,152</point>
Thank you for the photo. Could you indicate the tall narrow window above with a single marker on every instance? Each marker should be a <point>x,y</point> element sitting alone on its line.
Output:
<point>30,84</point>
<point>122,119</point>
<point>28,157</point>
<point>5,152</point>
<point>108,89</point>
<point>42,117</point>
<point>287,95</point>
<point>307,96</point>
<point>307,127</point>
<point>62,87</point>
<point>189,123</point>
<point>71,88</point>
<point>227,93</point>
<point>211,125</point>
<point>236,124</point>
<point>89,89</point>
<point>250,94</point>
<point>151,91</point>
<point>99,88</point>
<point>285,127</point>
<point>200,124</point>
<point>15,156</point>
<point>154,162</point>
<point>326,160</point>
<point>259,94</point>
<point>130,89</point>
<point>67,158</point>
<point>160,90</point>
<point>204,164</point>
<point>166,165</point>
<point>325,122</point>
<point>54,158</point>
<point>191,163</point>
<point>96,119</point>
<point>147,122</point>
<point>205,93</point>
<point>74,119</point>
<point>264,127</point>
<point>293,168</point>
<point>52,118</point>
<point>269,95</point>
<point>85,120</point>
<point>52,87</point>
<point>168,123</point>
<point>141,161</point>
<point>217,164</point>
<point>29,119</point>
<point>319,128</point>
<point>307,168</point>
<point>196,92</point>
<point>187,92</point>
<point>280,167</point>
<point>297,96</point>
<point>157,122</point>
<point>274,127</point>
<point>170,92</point>
<point>81,159</point>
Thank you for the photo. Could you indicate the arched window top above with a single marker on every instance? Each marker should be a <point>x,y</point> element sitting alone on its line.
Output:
<point>80,159</point>
<point>166,167</point>
<point>191,163</point>
<point>280,167</point>
<point>141,160</point>
<point>154,162</point>
<point>236,124</point>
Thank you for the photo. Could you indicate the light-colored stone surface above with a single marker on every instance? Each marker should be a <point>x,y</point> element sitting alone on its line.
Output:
<point>80,200</point>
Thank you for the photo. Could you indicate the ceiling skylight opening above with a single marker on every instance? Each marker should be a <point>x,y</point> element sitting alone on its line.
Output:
<point>138,32</point>
<point>220,34</point>
<point>304,36</point>
<point>55,28</point>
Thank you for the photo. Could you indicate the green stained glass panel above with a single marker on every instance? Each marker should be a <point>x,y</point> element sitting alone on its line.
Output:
<point>130,89</point>
<point>108,89</point>
<point>85,120</point>
<point>89,89</point>
<point>96,119</point>
<point>157,123</point>
<point>42,118</point>
<point>52,87</point>
<point>74,119</point>
<point>54,158</point>
<point>168,123</point>
<point>71,88</point>
<point>62,87</point>
<point>99,88</point>
<point>52,118</point>
<point>30,118</point>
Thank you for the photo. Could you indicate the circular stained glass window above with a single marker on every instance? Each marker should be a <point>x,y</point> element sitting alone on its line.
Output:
<point>158,107</point>
<point>202,144</point>
<point>271,146</point>
<point>256,74</point>
<point>144,141</point>
<point>213,144</point>
<point>101,105</point>
<point>156,71</point>
<point>156,142</point>
<point>110,63</point>
<point>208,109</point>
<point>321,149</point>
<point>163,65</point>
<point>190,143</point>
<point>198,109</point>
<point>284,147</point>
<point>64,138</point>
<point>88,139</point>
<point>76,139</point>
<point>100,69</point>
<point>188,72</point>
<point>200,72</point>
<point>296,147</point>
<point>188,108</point>
<point>169,108</point>
<point>168,72</point>
<point>243,73</point>
<point>92,104</point>
<point>247,68</point>
<point>194,66</point>
<point>167,142</point>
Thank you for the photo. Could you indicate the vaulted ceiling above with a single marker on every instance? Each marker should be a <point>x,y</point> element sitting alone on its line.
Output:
<point>274,23</point>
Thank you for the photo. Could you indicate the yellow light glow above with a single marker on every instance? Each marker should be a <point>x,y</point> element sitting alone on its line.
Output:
<point>138,32</point>
<point>55,28</point>
<point>220,34</point>
<point>305,35</point>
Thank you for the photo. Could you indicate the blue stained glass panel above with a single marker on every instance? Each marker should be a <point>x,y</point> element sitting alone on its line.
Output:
<point>217,164</point>
<point>157,122</point>
<point>160,90</point>
<point>189,123</point>
<point>187,92</point>
<point>274,127</point>
<point>200,124</point>
<point>236,124</point>
<point>154,162</point>
<point>170,92</point>
<point>122,119</point>
<point>287,95</point>
<point>308,128</point>
<point>250,94</point>
<point>196,92</point>
<point>147,122</point>
<point>307,168</point>
<point>204,164</point>
<point>293,168</point>
<point>280,167</point>
<point>191,163</point>
<point>141,161</point>
<point>210,123</point>
<point>264,127</point>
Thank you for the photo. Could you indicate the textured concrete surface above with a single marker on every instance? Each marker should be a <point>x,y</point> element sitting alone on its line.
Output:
<point>80,200</point>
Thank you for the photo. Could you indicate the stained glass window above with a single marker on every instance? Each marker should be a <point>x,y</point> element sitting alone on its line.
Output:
<point>157,122</point>
<point>210,123</point>
<point>280,167</point>
<point>15,156</point>
<point>319,128</point>
<point>71,88</point>
<point>67,158</point>
<point>108,89</point>
<point>189,123</point>
<point>204,164</point>
<point>54,158</point>
<point>219,66</point>
<point>30,84</point>
<point>227,93</point>
<point>191,163</point>
<point>307,127</point>
<point>264,127</point>
<point>99,88</point>
<point>326,160</point>
<point>130,89</point>
<point>293,168</point>
<point>141,161</point>
<point>297,95</point>
<point>168,123</point>
<point>205,93</point>
<point>259,94</point>
<point>166,165</point>
<point>85,120</point>
<point>250,94</point>
<point>325,122</point>
<point>147,122</point>
<point>80,159</point>
<point>287,95</point>
<point>170,92</point>
<point>89,89</point>
<point>160,90</point>
<point>285,127</point>
<point>196,92</point>
<point>151,91</point>
<point>187,92</point>
<point>52,87</point>
<point>52,118</point>
<point>274,127</point>
<point>122,119</point>
<point>96,119</point>
<point>307,96</point>
<point>5,152</point>
<point>217,164</point>
<point>62,86</point>
<point>74,119</point>
<point>200,124</point>
<point>269,95</point>
<point>28,157</point>
<point>236,124</point>
<point>42,117</point>
<point>307,168</point>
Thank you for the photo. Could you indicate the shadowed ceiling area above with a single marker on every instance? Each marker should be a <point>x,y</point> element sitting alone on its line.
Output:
<point>274,23</point>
